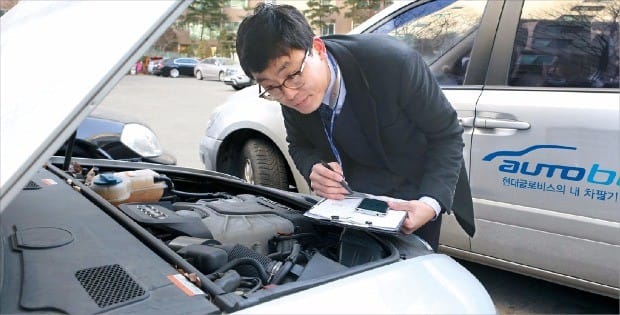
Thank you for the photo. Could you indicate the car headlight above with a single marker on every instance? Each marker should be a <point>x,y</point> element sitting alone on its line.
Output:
<point>215,114</point>
<point>141,140</point>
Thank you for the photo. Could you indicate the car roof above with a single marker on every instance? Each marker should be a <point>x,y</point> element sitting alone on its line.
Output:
<point>38,114</point>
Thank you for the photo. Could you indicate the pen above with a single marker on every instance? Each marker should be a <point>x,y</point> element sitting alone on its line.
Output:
<point>343,182</point>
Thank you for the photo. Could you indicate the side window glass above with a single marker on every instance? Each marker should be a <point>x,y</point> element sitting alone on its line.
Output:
<point>566,44</point>
<point>443,32</point>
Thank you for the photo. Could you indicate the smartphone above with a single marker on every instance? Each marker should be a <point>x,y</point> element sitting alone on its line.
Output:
<point>374,207</point>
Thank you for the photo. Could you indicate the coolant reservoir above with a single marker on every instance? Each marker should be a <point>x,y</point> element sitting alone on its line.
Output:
<point>129,186</point>
<point>112,188</point>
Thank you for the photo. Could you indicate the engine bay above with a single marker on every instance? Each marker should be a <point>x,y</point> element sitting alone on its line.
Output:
<point>234,245</point>
<point>169,233</point>
<point>247,241</point>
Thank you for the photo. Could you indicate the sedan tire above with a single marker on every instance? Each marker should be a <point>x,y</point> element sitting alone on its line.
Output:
<point>262,164</point>
<point>174,73</point>
<point>199,75</point>
<point>221,76</point>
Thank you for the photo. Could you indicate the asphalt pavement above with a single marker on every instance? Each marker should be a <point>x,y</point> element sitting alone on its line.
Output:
<point>177,110</point>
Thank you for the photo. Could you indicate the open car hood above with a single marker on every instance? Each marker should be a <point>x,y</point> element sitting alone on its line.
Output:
<point>88,47</point>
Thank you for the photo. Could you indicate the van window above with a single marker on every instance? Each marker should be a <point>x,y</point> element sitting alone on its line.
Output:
<point>566,44</point>
<point>443,32</point>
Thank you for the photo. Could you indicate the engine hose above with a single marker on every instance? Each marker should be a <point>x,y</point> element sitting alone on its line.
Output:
<point>170,184</point>
<point>288,264</point>
<point>191,194</point>
<point>294,253</point>
<point>246,261</point>
<point>166,179</point>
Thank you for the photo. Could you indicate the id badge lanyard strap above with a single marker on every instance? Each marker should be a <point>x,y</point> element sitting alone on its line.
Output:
<point>330,139</point>
<point>333,99</point>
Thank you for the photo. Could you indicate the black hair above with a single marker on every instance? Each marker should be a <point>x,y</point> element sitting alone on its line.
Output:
<point>271,32</point>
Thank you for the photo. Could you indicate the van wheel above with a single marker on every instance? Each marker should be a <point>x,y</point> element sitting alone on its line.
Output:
<point>174,73</point>
<point>262,164</point>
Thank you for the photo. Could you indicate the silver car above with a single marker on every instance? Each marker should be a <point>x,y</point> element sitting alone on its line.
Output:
<point>100,236</point>
<point>535,84</point>
<point>212,68</point>
<point>235,77</point>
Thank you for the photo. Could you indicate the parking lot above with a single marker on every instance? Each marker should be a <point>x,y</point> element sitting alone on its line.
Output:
<point>178,109</point>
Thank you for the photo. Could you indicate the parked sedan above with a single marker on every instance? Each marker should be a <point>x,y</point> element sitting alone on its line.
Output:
<point>535,84</point>
<point>153,62</point>
<point>106,134</point>
<point>235,77</point>
<point>118,237</point>
<point>175,67</point>
<point>213,68</point>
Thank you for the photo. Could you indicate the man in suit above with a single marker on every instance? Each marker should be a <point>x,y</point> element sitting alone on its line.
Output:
<point>370,106</point>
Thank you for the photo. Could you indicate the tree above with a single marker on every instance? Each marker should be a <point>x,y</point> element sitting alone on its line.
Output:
<point>362,10</point>
<point>206,14</point>
<point>320,13</point>
<point>227,43</point>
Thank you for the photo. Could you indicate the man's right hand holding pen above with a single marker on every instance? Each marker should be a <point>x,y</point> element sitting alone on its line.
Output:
<point>327,180</point>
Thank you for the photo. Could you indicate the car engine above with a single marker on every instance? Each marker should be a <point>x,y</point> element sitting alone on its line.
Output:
<point>242,242</point>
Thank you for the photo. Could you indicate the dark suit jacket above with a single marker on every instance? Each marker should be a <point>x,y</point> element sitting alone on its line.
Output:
<point>397,134</point>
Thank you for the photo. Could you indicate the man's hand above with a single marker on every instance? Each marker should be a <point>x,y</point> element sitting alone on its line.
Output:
<point>326,183</point>
<point>418,214</point>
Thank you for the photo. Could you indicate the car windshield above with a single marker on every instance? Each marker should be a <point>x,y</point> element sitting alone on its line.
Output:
<point>226,62</point>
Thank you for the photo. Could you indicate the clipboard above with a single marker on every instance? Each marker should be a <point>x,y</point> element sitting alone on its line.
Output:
<point>344,213</point>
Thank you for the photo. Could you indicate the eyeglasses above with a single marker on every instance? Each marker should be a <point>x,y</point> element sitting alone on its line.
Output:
<point>293,81</point>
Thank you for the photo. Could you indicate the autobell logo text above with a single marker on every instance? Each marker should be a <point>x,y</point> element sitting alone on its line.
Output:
<point>595,174</point>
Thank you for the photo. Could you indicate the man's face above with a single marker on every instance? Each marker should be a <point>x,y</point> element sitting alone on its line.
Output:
<point>313,79</point>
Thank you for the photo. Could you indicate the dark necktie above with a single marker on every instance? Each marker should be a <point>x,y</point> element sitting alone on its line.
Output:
<point>326,116</point>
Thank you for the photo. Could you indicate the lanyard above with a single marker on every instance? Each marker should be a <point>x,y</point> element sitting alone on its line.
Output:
<point>334,98</point>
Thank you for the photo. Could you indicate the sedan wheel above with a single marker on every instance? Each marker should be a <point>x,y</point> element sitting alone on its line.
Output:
<point>262,164</point>
<point>174,73</point>
<point>221,76</point>
<point>199,75</point>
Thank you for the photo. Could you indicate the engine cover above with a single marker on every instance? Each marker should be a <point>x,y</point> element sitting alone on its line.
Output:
<point>245,219</point>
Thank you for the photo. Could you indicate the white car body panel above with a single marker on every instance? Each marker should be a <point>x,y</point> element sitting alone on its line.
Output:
<point>555,218</point>
<point>368,294</point>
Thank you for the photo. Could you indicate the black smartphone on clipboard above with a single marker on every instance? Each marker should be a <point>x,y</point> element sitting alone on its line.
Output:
<point>371,206</point>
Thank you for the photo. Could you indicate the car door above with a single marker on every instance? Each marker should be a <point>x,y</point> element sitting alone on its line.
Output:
<point>186,65</point>
<point>544,173</point>
<point>454,38</point>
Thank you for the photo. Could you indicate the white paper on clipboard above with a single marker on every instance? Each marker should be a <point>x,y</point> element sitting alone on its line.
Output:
<point>343,212</point>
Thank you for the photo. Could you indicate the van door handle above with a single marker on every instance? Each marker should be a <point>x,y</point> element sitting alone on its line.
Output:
<point>491,123</point>
<point>466,121</point>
